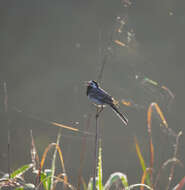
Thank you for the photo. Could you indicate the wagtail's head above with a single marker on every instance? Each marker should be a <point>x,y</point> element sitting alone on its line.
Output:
<point>92,84</point>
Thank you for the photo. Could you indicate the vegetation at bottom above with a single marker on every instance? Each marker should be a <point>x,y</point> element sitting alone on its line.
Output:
<point>47,179</point>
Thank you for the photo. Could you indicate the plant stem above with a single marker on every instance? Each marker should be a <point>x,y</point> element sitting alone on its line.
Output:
<point>82,155</point>
<point>54,159</point>
<point>96,149</point>
<point>7,122</point>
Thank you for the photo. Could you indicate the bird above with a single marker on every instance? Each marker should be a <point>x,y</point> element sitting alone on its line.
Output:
<point>101,98</point>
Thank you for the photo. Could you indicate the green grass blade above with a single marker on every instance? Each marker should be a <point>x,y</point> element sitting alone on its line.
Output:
<point>43,180</point>
<point>20,171</point>
<point>142,162</point>
<point>46,179</point>
<point>99,175</point>
<point>48,173</point>
<point>116,177</point>
<point>19,188</point>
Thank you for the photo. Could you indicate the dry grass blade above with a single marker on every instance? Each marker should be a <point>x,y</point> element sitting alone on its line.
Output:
<point>180,185</point>
<point>58,179</point>
<point>60,154</point>
<point>70,128</point>
<point>64,126</point>
<point>149,116</point>
<point>61,159</point>
<point>149,124</point>
<point>144,177</point>
<point>173,165</point>
<point>50,122</point>
<point>161,115</point>
<point>169,91</point>
<point>33,151</point>
<point>151,155</point>
<point>120,43</point>
<point>164,165</point>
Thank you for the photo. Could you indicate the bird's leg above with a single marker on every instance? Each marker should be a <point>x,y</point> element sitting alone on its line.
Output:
<point>99,110</point>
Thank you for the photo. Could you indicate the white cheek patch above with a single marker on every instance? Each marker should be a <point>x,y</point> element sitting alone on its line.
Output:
<point>93,85</point>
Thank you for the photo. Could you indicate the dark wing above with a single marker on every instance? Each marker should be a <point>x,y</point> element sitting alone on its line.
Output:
<point>102,96</point>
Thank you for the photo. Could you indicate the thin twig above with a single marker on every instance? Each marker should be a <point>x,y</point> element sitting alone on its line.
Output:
<point>7,121</point>
<point>102,68</point>
<point>106,52</point>
<point>6,115</point>
<point>9,172</point>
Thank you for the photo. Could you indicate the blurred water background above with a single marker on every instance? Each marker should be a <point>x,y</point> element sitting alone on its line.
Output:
<point>49,48</point>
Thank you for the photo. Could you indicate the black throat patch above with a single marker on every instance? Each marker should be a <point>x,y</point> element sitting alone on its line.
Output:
<point>88,89</point>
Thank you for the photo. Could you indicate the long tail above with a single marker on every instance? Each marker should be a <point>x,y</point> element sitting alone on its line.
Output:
<point>120,115</point>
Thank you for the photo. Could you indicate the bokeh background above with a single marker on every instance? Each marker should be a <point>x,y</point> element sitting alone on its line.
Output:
<point>49,48</point>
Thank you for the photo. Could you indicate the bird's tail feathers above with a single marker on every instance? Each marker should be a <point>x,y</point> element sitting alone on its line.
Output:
<point>120,115</point>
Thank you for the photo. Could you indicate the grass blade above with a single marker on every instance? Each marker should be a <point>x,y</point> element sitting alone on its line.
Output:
<point>139,185</point>
<point>99,173</point>
<point>46,179</point>
<point>20,171</point>
<point>180,185</point>
<point>61,159</point>
<point>33,152</point>
<point>142,162</point>
<point>54,159</point>
<point>144,177</point>
<point>90,184</point>
<point>83,183</point>
<point>116,177</point>
<point>151,155</point>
